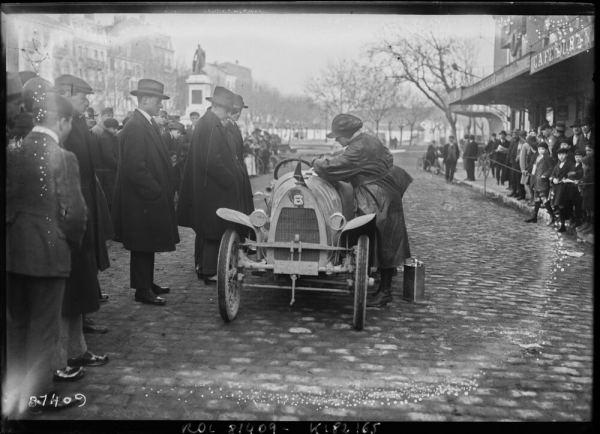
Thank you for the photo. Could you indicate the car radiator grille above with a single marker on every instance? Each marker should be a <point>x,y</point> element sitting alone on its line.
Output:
<point>301,221</point>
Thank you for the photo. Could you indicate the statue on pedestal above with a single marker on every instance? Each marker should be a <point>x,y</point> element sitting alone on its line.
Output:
<point>199,61</point>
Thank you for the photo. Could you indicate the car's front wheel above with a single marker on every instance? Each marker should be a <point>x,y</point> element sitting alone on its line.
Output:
<point>361,282</point>
<point>228,287</point>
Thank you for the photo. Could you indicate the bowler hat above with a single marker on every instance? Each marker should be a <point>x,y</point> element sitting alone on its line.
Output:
<point>111,123</point>
<point>107,111</point>
<point>503,132</point>
<point>522,133</point>
<point>238,102</point>
<point>344,124</point>
<point>542,145</point>
<point>68,82</point>
<point>177,126</point>
<point>14,87</point>
<point>587,121</point>
<point>90,112</point>
<point>531,140</point>
<point>25,76</point>
<point>222,96</point>
<point>34,91</point>
<point>562,151</point>
<point>577,123</point>
<point>149,87</point>
<point>560,126</point>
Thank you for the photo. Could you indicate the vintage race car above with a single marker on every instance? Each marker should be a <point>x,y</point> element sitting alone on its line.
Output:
<point>307,235</point>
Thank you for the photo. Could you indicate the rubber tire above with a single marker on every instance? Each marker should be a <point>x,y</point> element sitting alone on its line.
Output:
<point>361,282</point>
<point>228,294</point>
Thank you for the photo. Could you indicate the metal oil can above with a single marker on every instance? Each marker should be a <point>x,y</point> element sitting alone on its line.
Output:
<point>414,280</point>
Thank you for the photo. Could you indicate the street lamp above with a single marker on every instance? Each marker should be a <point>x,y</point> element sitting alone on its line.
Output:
<point>455,67</point>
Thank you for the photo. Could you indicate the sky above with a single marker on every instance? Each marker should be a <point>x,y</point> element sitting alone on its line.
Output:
<point>285,50</point>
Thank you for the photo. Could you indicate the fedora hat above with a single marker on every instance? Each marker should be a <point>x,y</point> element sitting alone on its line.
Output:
<point>177,126</point>
<point>68,82</point>
<point>344,124</point>
<point>587,121</point>
<point>222,96</point>
<point>577,123</point>
<point>238,102</point>
<point>560,126</point>
<point>149,87</point>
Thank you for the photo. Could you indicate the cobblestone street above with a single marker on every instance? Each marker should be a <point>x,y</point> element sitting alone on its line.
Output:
<point>504,332</point>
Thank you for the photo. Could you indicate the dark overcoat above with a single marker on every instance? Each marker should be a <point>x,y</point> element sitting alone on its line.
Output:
<point>210,180</point>
<point>45,210</point>
<point>246,188</point>
<point>81,289</point>
<point>562,191</point>
<point>541,177</point>
<point>143,206</point>
<point>368,166</point>
<point>587,190</point>
<point>109,161</point>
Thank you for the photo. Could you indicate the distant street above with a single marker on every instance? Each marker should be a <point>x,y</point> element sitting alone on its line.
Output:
<point>505,333</point>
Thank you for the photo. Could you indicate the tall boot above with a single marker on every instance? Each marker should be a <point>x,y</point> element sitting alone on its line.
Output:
<point>535,213</point>
<point>550,213</point>
<point>561,216</point>
<point>383,296</point>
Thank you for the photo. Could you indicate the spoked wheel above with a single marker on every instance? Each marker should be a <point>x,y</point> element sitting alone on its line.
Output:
<point>228,287</point>
<point>361,282</point>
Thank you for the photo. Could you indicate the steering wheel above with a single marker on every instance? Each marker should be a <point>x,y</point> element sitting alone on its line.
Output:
<point>288,160</point>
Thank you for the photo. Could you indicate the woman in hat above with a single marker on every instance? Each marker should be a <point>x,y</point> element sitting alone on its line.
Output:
<point>540,176</point>
<point>368,166</point>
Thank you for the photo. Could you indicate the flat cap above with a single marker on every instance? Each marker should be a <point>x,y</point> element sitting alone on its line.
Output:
<point>532,140</point>
<point>543,145</point>
<point>580,152</point>
<point>562,151</point>
<point>34,91</point>
<point>344,124</point>
<point>522,133</point>
<point>177,126</point>
<point>70,82</point>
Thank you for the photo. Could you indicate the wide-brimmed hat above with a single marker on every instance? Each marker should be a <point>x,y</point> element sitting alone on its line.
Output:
<point>107,111</point>
<point>149,87</point>
<point>238,102</point>
<point>35,91</point>
<point>73,84</point>
<point>222,96</point>
<point>560,126</point>
<point>542,145</point>
<point>177,126</point>
<point>344,124</point>
<point>587,121</point>
<point>577,123</point>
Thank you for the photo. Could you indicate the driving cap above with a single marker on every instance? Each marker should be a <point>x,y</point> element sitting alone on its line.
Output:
<point>543,145</point>
<point>194,114</point>
<point>562,151</point>
<point>67,82</point>
<point>343,125</point>
<point>238,102</point>
<point>111,123</point>
<point>560,126</point>
<point>222,96</point>
<point>149,87</point>
<point>14,87</point>
<point>107,111</point>
<point>177,126</point>
<point>580,152</point>
<point>34,91</point>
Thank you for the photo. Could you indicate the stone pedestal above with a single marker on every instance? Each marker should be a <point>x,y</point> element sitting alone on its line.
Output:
<point>199,87</point>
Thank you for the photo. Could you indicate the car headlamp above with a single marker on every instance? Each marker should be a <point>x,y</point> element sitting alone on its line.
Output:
<point>258,218</point>
<point>337,221</point>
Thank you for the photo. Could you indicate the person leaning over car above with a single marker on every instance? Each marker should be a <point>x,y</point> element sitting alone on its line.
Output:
<point>368,166</point>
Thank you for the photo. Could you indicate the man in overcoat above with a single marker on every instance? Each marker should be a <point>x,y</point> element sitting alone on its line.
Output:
<point>105,113</point>
<point>586,128</point>
<point>247,201</point>
<point>451,153</point>
<point>490,149</point>
<point>143,208</point>
<point>502,171</point>
<point>82,290</point>
<point>109,159</point>
<point>211,180</point>
<point>470,155</point>
<point>45,219</point>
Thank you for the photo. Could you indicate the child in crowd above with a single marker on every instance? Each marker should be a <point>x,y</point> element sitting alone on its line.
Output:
<point>562,189</point>
<point>586,189</point>
<point>540,175</point>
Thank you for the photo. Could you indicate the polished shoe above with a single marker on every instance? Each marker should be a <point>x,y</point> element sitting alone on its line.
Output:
<point>210,280</point>
<point>148,297</point>
<point>89,326</point>
<point>69,374</point>
<point>531,220</point>
<point>383,296</point>
<point>54,402</point>
<point>88,359</point>
<point>103,298</point>
<point>158,290</point>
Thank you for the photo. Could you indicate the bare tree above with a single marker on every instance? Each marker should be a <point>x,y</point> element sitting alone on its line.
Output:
<point>416,111</point>
<point>435,64</point>
<point>381,95</point>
